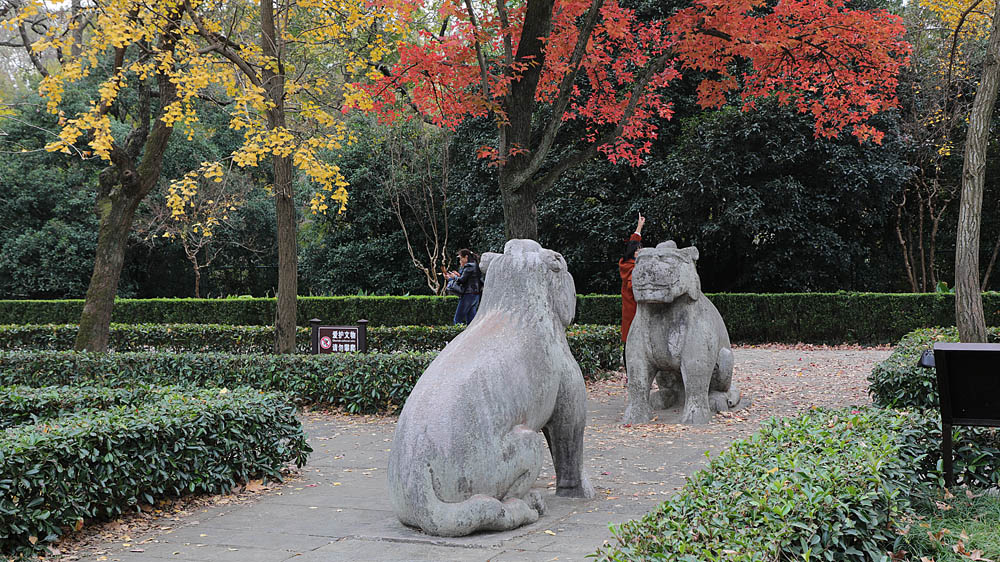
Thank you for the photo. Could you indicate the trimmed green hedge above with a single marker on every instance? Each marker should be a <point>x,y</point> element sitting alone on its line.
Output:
<point>99,463</point>
<point>751,318</point>
<point>380,311</point>
<point>829,485</point>
<point>358,382</point>
<point>596,348</point>
<point>21,404</point>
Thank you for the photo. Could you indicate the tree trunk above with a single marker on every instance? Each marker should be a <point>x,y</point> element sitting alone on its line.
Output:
<point>520,211</point>
<point>284,200</point>
<point>115,210</point>
<point>284,321</point>
<point>197,280</point>
<point>121,187</point>
<point>968,299</point>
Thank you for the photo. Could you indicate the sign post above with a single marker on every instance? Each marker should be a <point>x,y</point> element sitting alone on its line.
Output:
<point>339,339</point>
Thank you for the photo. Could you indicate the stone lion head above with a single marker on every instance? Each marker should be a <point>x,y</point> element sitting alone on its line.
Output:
<point>530,279</point>
<point>665,273</point>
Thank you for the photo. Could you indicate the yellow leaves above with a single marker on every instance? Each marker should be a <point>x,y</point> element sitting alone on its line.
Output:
<point>357,98</point>
<point>192,63</point>
<point>977,22</point>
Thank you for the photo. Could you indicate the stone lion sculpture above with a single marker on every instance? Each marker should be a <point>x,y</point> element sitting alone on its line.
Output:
<point>467,446</point>
<point>677,337</point>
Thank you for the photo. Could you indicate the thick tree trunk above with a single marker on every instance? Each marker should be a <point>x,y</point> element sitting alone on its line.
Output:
<point>968,299</point>
<point>520,210</point>
<point>284,200</point>
<point>284,322</point>
<point>115,211</point>
<point>121,187</point>
<point>519,197</point>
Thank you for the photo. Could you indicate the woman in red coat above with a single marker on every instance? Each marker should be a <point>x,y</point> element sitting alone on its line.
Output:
<point>625,265</point>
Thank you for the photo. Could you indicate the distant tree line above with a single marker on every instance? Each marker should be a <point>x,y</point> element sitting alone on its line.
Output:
<point>770,207</point>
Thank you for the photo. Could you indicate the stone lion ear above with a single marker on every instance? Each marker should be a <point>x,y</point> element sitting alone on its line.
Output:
<point>670,244</point>
<point>553,260</point>
<point>691,252</point>
<point>485,259</point>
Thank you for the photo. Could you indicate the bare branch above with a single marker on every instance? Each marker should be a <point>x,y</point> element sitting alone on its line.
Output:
<point>485,84</point>
<point>26,43</point>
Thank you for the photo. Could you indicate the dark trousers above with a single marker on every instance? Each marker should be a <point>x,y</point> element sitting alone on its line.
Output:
<point>468,304</point>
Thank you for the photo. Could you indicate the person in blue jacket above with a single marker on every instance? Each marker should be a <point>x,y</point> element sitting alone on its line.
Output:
<point>467,282</point>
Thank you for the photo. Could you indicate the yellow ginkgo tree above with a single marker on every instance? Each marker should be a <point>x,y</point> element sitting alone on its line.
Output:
<point>275,66</point>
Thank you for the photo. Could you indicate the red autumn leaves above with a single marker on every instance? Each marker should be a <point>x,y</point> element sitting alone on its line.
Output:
<point>837,64</point>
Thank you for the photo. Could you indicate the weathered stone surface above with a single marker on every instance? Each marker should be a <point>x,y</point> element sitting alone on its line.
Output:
<point>677,338</point>
<point>467,446</point>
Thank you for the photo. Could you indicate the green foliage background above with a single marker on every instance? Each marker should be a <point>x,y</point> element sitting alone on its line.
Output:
<point>770,207</point>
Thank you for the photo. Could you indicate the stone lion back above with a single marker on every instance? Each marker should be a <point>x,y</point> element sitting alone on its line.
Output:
<point>468,445</point>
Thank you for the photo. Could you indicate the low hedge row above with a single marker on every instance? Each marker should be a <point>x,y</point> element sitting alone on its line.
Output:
<point>360,383</point>
<point>751,318</point>
<point>99,463</point>
<point>20,405</point>
<point>829,485</point>
<point>596,348</point>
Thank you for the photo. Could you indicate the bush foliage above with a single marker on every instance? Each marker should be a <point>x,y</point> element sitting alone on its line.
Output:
<point>360,383</point>
<point>596,348</point>
<point>97,463</point>
<point>899,382</point>
<point>829,485</point>
<point>750,318</point>
<point>25,404</point>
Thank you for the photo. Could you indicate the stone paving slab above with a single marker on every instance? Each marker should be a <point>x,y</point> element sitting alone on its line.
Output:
<point>339,509</point>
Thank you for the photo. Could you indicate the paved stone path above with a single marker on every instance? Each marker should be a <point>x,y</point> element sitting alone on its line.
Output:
<point>339,509</point>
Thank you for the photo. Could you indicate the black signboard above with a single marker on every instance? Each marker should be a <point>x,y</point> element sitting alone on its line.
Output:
<point>968,376</point>
<point>339,339</point>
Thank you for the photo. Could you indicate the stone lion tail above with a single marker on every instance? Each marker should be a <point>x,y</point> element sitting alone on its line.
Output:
<point>477,513</point>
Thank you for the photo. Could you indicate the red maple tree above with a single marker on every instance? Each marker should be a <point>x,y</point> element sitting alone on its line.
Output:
<point>595,62</point>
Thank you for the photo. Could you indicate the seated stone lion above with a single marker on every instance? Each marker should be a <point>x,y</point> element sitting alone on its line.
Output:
<point>677,337</point>
<point>467,446</point>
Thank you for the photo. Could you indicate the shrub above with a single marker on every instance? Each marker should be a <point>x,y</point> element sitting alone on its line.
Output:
<point>358,382</point>
<point>24,404</point>
<point>379,310</point>
<point>751,318</point>
<point>99,463</point>
<point>829,485</point>
<point>596,348</point>
<point>898,382</point>
<point>975,450</point>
